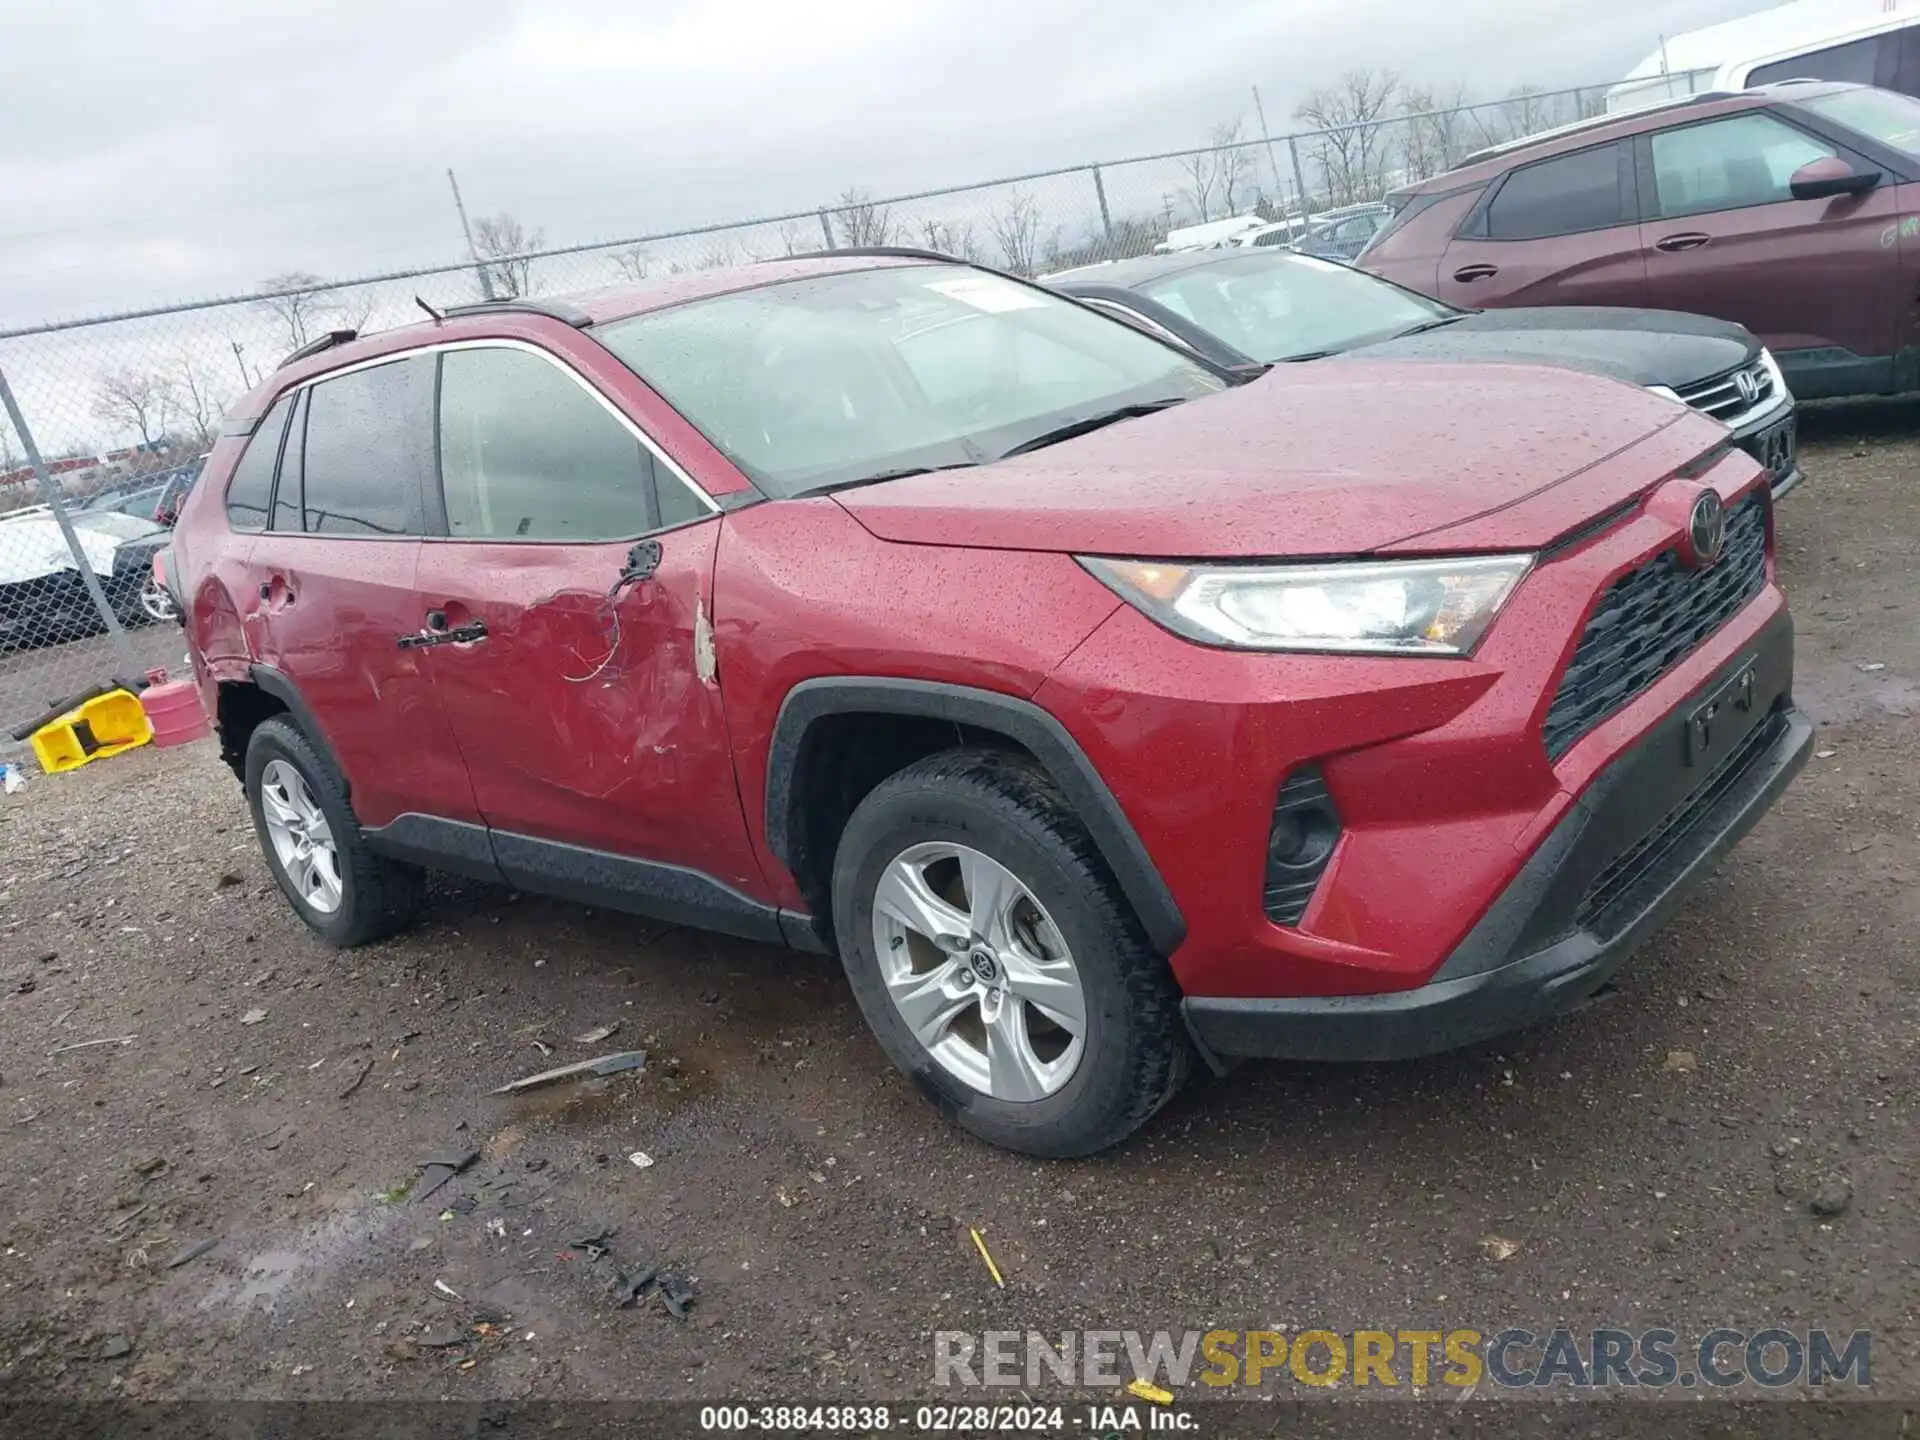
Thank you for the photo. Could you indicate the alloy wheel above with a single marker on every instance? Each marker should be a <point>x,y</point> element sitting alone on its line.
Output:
<point>155,603</point>
<point>979,971</point>
<point>301,837</point>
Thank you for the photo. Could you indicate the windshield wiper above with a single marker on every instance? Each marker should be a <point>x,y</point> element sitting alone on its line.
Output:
<point>1086,425</point>
<point>882,475</point>
<point>1425,325</point>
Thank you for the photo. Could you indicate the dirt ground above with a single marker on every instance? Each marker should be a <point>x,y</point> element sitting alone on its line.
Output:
<point>1654,1158</point>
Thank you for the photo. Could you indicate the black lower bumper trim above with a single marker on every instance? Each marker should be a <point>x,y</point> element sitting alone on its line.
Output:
<point>1474,1006</point>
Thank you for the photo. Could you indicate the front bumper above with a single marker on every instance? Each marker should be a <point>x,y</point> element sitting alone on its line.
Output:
<point>1615,867</point>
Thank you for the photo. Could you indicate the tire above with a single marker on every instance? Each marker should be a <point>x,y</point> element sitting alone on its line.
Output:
<point>1003,811</point>
<point>376,896</point>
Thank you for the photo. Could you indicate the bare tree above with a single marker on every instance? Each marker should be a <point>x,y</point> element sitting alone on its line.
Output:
<point>717,256</point>
<point>1201,169</point>
<point>1232,163</point>
<point>633,262</point>
<point>136,400</point>
<point>193,393</point>
<point>10,458</point>
<point>1015,227</point>
<point>951,238</point>
<point>299,313</point>
<point>503,245</point>
<point>1436,133</point>
<point>1354,147</point>
<point>797,239</point>
<point>860,222</point>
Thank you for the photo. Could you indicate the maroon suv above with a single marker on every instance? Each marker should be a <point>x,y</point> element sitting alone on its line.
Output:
<point>1102,709</point>
<point>1791,209</point>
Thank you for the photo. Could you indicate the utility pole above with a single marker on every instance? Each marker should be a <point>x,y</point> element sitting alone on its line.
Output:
<point>486,279</point>
<point>1272,164</point>
<point>241,361</point>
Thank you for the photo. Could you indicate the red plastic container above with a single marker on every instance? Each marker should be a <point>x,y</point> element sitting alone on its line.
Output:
<point>174,711</point>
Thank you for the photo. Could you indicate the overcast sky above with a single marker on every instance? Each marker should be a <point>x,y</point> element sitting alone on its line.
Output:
<point>157,151</point>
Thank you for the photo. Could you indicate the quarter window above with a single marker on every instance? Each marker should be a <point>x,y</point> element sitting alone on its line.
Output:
<point>368,452</point>
<point>527,454</point>
<point>1561,196</point>
<point>1730,164</point>
<point>252,480</point>
<point>287,494</point>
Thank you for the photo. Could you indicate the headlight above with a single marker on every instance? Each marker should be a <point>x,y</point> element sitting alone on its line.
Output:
<point>1411,607</point>
<point>1774,373</point>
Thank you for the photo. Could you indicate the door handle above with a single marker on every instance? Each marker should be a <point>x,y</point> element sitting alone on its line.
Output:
<point>287,597</point>
<point>1690,240</point>
<point>1467,274</point>
<point>438,632</point>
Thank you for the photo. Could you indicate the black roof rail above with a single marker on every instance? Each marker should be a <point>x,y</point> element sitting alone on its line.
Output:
<point>553,309</point>
<point>324,343</point>
<point>894,252</point>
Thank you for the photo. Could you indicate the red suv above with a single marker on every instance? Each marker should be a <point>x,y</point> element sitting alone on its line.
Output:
<point>1102,710</point>
<point>1790,209</point>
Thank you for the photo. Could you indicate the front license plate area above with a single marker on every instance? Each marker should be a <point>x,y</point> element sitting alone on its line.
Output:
<point>1714,725</point>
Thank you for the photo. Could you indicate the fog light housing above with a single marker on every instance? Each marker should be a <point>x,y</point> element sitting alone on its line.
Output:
<point>1306,827</point>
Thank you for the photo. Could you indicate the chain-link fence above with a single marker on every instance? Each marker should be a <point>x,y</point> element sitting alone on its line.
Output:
<point>108,416</point>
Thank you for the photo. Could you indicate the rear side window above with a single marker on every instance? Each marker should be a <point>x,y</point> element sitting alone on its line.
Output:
<point>252,481</point>
<point>527,454</point>
<point>1873,61</point>
<point>368,452</point>
<point>1587,190</point>
<point>1730,164</point>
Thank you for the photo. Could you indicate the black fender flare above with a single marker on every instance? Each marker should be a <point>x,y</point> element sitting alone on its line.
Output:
<point>277,684</point>
<point>1021,721</point>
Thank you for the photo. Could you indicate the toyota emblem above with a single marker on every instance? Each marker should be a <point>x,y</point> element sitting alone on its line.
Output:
<point>1748,384</point>
<point>1706,529</point>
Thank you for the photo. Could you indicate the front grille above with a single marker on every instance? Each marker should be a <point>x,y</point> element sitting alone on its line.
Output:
<point>1650,619</point>
<point>1612,900</point>
<point>1722,398</point>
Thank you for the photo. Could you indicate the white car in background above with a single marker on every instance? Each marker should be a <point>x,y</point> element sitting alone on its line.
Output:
<point>44,597</point>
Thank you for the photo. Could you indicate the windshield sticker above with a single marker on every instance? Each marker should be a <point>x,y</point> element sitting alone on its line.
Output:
<point>988,293</point>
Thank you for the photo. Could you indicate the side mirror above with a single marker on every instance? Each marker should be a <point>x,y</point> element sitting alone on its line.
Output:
<point>1829,176</point>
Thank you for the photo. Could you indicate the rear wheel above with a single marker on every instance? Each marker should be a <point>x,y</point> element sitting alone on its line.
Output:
<point>313,845</point>
<point>996,961</point>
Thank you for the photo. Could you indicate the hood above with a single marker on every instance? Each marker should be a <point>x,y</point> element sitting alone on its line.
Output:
<point>1314,460</point>
<point>34,547</point>
<point>1641,347</point>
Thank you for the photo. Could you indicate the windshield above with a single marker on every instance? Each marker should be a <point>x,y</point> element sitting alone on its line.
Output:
<point>839,378</point>
<point>1276,307</point>
<point>1878,114</point>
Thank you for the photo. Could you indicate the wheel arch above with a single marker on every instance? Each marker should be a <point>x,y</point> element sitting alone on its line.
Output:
<point>798,763</point>
<point>266,692</point>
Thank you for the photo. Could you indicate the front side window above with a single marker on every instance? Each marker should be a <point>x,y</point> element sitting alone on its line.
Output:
<point>1562,196</point>
<point>1730,164</point>
<point>252,482</point>
<point>368,455</point>
<point>1279,307</point>
<point>839,378</point>
<point>527,454</point>
<point>1893,120</point>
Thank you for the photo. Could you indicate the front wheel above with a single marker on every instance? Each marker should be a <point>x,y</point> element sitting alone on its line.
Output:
<point>997,962</point>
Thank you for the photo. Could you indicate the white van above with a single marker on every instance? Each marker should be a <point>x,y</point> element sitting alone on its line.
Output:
<point>1867,42</point>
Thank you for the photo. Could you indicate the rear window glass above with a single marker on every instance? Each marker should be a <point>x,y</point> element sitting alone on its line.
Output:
<point>369,450</point>
<point>1562,196</point>
<point>1893,120</point>
<point>252,481</point>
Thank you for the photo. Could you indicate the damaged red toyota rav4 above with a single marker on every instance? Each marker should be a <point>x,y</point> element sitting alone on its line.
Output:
<point>1107,714</point>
